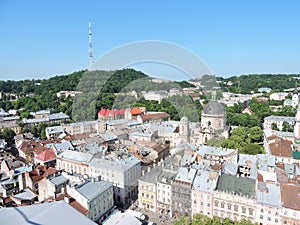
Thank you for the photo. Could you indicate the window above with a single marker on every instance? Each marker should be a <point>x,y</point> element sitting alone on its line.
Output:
<point>236,208</point>
<point>269,218</point>
<point>261,217</point>
<point>276,220</point>
<point>208,205</point>
<point>243,210</point>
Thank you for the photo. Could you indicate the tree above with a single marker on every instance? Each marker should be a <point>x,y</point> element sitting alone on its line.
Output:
<point>183,220</point>
<point>7,134</point>
<point>274,126</point>
<point>287,127</point>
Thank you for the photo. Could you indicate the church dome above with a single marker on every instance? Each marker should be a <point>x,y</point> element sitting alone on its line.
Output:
<point>214,108</point>
<point>184,119</point>
<point>295,92</point>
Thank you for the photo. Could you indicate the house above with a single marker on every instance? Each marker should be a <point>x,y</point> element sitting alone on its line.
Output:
<point>50,187</point>
<point>28,150</point>
<point>278,96</point>
<point>54,132</point>
<point>46,158</point>
<point>248,111</point>
<point>25,197</point>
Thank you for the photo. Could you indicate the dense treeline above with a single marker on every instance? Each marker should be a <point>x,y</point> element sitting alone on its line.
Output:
<point>252,82</point>
<point>199,219</point>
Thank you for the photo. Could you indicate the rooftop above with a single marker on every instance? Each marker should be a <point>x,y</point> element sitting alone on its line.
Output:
<point>268,194</point>
<point>205,181</point>
<point>90,190</point>
<point>58,213</point>
<point>234,185</point>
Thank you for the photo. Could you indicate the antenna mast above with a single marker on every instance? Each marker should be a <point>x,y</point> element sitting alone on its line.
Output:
<point>91,57</point>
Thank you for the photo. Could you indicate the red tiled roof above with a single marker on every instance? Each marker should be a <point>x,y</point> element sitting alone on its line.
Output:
<point>281,147</point>
<point>160,115</point>
<point>32,146</point>
<point>107,112</point>
<point>47,155</point>
<point>135,111</point>
<point>290,196</point>
<point>79,207</point>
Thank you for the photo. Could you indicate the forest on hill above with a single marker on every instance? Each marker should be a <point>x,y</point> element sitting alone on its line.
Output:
<point>247,83</point>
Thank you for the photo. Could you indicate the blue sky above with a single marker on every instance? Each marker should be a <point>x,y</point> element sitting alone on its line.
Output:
<point>40,39</point>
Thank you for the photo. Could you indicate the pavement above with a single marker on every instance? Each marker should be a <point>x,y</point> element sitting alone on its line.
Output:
<point>156,217</point>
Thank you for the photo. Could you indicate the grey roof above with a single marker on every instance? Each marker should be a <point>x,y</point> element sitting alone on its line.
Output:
<point>186,174</point>
<point>268,194</point>
<point>232,184</point>
<point>265,160</point>
<point>58,180</point>
<point>76,156</point>
<point>214,108</point>
<point>289,168</point>
<point>26,194</point>
<point>91,190</point>
<point>210,150</point>
<point>230,168</point>
<point>152,175</point>
<point>58,213</point>
<point>205,181</point>
<point>113,163</point>
<point>58,116</point>
<point>269,133</point>
<point>64,145</point>
<point>54,130</point>
<point>281,118</point>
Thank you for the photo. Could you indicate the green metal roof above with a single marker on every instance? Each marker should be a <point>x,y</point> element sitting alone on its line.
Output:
<point>232,184</point>
<point>296,155</point>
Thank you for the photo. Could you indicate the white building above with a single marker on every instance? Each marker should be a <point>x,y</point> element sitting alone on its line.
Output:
<point>278,120</point>
<point>122,169</point>
<point>95,196</point>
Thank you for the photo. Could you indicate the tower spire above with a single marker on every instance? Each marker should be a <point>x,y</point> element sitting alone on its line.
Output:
<point>91,57</point>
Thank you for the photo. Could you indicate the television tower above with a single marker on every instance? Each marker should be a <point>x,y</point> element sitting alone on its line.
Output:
<point>91,57</point>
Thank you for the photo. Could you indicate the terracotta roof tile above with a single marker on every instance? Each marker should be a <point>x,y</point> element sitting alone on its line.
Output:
<point>135,111</point>
<point>47,155</point>
<point>281,147</point>
<point>79,207</point>
<point>290,196</point>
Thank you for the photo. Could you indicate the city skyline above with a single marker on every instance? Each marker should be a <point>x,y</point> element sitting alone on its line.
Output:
<point>41,40</point>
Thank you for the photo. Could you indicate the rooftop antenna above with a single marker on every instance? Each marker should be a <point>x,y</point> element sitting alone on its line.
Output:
<point>91,57</point>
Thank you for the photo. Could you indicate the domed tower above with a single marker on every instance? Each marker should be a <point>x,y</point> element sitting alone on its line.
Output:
<point>184,127</point>
<point>213,116</point>
<point>213,122</point>
<point>295,97</point>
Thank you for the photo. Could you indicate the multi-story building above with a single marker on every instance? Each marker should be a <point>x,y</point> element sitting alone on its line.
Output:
<point>147,189</point>
<point>122,169</point>
<point>182,191</point>
<point>235,198</point>
<point>95,196</point>
<point>74,162</point>
<point>278,120</point>
<point>202,192</point>
<point>84,127</point>
<point>268,207</point>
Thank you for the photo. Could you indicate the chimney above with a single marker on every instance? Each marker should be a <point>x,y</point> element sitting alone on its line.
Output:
<point>67,199</point>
